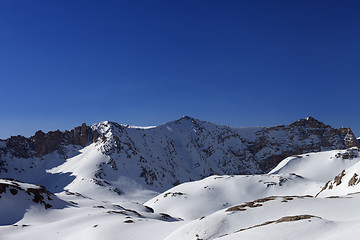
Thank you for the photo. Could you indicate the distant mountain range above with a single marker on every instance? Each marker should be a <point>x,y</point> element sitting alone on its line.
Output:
<point>161,157</point>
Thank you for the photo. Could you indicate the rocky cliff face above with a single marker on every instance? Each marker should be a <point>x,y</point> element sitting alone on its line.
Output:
<point>307,135</point>
<point>183,150</point>
<point>44,143</point>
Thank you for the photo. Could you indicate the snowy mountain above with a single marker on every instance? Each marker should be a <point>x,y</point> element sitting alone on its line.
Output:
<point>160,157</point>
<point>321,167</point>
<point>112,181</point>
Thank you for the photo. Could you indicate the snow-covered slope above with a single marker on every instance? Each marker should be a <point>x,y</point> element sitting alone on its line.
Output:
<point>292,217</point>
<point>17,197</point>
<point>191,200</point>
<point>77,216</point>
<point>218,207</point>
<point>321,167</point>
<point>345,182</point>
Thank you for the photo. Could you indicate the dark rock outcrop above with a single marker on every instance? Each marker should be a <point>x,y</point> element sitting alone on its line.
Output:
<point>305,135</point>
<point>44,143</point>
<point>38,194</point>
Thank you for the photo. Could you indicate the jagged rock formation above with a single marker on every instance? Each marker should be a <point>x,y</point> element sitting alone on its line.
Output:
<point>326,132</point>
<point>183,150</point>
<point>44,143</point>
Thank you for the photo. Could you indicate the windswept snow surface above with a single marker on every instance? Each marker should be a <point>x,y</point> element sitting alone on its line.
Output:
<point>298,217</point>
<point>88,218</point>
<point>198,199</point>
<point>321,167</point>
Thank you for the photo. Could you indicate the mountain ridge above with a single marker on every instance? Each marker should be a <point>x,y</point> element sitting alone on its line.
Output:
<point>82,135</point>
<point>175,152</point>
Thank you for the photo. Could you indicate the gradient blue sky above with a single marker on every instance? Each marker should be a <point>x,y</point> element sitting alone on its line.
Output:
<point>240,63</point>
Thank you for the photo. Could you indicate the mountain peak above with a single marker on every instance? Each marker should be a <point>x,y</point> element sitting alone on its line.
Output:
<point>310,118</point>
<point>309,122</point>
<point>184,119</point>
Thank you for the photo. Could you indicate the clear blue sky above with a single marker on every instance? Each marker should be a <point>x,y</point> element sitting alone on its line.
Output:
<point>240,63</point>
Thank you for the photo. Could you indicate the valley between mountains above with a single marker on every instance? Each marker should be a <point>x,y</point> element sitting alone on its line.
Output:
<point>186,179</point>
